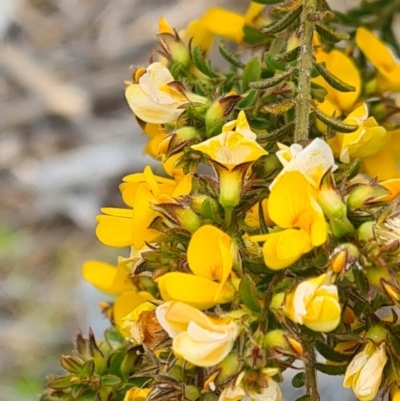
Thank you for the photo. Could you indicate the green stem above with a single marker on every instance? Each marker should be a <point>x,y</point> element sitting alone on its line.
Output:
<point>305,69</point>
<point>310,371</point>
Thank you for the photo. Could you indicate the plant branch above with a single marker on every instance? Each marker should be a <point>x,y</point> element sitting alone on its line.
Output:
<point>310,371</point>
<point>305,68</point>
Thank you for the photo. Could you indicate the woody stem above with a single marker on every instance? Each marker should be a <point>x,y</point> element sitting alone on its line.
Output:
<point>310,371</point>
<point>305,69</point>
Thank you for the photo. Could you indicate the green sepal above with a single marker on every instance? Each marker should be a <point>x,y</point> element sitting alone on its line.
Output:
<point>328,34</point>
<point>335,124</point>
<point>105,394</point>
<point>267,83</point>
<point>333,80</point>
<point>247,290</point>
<point>251,73</point>
<point>62,382</point>
<point>318,92</point>
<point>229,56</point>
<point>299,380</point>
<point>282,23</point>
<point>248,100</point>
<point>202,63</point>
<point>110,380</point>
<point>332,370</point>
<point>279,108</point>
<point>329,353</point>
<point>70,364</point>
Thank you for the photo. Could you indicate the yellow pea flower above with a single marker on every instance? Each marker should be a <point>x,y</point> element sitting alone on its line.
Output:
<point>313,161</point>
<point>156,135</point>
<point>368,140</point>
<point>337,102</point>
<point>364,373</point>
<point>129,227</point>
<point>292,207</point>
<point>394,393</point>
<point>210,260</point>
<point>157,98</point>
<point>252,218</point>
<point>137,394</point>
<point>197,338</point>
<point>232,153</point>
<point>224,23</point>
<point>382,58</point>
<point>384,164</point>
<point>236,393</point>
<point>107,278</point>
<point>314,303</point>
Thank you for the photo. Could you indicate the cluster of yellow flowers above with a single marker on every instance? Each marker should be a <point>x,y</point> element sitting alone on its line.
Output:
<point>259,250</point>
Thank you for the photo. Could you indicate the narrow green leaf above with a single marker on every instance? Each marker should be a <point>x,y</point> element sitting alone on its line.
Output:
<point>277,134</point>
<point>329,353</point>
<point>229,56</point>
<point>288,5</point>
<point>337,125</point>
<point>253,36</point>
<point>287,57</point>
<point>279,108</point>
<point>393,344</point>
<point>282,23</point>
<point>247,290</point>
<point>330,35</point>
<point>248,100</point>
<point>332,370</point>
<point>251,73</point>
<point>202,63</point>
<point>333,80</point>
<point>110,380</point>
<point>267,83</point>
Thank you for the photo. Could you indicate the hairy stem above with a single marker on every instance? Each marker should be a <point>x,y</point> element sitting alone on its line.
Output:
<point>305,67</point>
<point>310,371</point>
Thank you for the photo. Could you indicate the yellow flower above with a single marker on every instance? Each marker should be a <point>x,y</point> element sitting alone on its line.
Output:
<point>315,304</point>
<point>197,338</point>
<point>292,206</point>
<point>156,135</point>
<point>221,22</point>
<point>236,393</point>
<point>232,153</point>
<point>364,373</point>
<point>384,164</point>
<point>382,58</point>
<point>210,260</point>
<point>252,218</point>
<point>313,161</point>
<point>130,227</point>
<point>137,394</point>
<point>343,67</point>
<point>157,97</point>
<point>107,278</point>
<point>368,140</point>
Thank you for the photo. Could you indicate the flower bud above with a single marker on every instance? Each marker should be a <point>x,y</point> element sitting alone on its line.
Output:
<point>228,367</point>
<point>280,341</point>
<point>366,231</point>
<point>393,292</point>
<point>365,195</point>
<point>343,257</point>
<point>377,334</point>
<point>172,45</point>
<point>218,111</point>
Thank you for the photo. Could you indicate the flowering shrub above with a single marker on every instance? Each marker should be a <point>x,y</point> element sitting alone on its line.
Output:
<point>287,245</point>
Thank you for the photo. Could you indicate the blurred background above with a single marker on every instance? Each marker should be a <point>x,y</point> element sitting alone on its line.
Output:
<point>66,139</point>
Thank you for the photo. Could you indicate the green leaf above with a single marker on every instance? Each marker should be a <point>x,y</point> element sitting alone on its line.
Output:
<point>318,92</point>
<point>333,80</point>
<point>248,100</point>
<point>202,63</point>
<point>332,370</point>
<point>330,35</point>
<point>253,36</point>
<point>279,108</point>
<point>110,380</point>
<point>361,281</point>
<point>278,134</point>
<point>251,73</point>
<point>247,290</point>
<point>299,380</point>
<point>287,57</point>
<point>335,124</point>
<point>267,83</point>
<point>329,353</point>
<point>229,56</point>
<point>393,344</point>
<point>282,23</point>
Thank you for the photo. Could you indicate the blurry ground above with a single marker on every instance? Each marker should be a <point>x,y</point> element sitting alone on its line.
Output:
<point>66,139</point>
